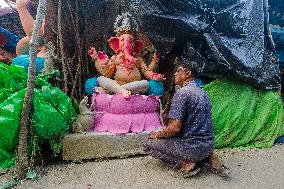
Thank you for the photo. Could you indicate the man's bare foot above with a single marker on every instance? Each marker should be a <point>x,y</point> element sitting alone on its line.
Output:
<point>187,166</point>
<point>189,169</point>
<point>218,168</point>
<point>215,162</point>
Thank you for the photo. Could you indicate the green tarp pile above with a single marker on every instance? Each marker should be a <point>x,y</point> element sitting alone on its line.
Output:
<point>244,116</point>
<point>52,112</point>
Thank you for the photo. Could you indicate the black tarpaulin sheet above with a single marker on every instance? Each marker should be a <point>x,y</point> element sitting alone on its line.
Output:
<point>276,12</point>
<point>226,37</point>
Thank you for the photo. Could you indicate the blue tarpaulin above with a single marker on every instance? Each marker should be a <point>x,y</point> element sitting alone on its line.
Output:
<point>9,40</point>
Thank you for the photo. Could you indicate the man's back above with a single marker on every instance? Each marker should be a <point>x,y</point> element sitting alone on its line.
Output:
<point>192,107</point>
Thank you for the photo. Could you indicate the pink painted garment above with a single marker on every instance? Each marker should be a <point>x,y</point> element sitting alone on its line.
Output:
<point>119,115</point>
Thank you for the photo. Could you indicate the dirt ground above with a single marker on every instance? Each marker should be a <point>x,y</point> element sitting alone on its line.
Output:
<point>250,169</point>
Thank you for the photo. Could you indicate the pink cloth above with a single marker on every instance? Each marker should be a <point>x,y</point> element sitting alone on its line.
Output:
<point>119,115</point>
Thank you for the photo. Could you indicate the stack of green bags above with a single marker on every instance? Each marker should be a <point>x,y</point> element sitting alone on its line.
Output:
<point>52,113</point>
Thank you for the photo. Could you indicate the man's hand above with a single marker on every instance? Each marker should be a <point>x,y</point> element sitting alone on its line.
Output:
<point>173,128</point>
<point>155,135</point>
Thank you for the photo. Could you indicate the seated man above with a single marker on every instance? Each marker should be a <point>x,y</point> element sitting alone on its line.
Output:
<point>189,136</point>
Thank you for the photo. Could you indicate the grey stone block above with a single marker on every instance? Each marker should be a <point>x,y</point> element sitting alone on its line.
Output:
<point>77,147</point>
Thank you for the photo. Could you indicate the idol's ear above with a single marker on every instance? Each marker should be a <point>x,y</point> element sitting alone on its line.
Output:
<point>138,46</point>
<point>114,44</point>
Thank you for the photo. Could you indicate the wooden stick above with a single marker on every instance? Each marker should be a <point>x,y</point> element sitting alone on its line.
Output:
<point>22,163</point>
<point>61,45</point>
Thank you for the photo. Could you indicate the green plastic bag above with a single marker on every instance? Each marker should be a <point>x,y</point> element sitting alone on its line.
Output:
<point>52,113</point>
<point>10,112</point>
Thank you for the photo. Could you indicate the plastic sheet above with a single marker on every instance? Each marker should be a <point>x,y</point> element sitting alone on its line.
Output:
<point>10,112</point>
<point>244,116</point>
<point>23,60</point>
<point>227,37</point>
<point>276,8</point>
<point>6,8</point>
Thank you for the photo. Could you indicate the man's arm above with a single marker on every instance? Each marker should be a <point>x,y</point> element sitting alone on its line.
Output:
<point>176,115</point>
<point>172,129</point>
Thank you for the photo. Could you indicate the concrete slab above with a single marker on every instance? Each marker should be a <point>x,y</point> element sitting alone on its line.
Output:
<point>78,147</point>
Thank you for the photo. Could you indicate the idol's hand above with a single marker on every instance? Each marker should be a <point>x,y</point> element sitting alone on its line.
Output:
<point>156,58</point>
<point>93,53</point>
<point>158,77</point>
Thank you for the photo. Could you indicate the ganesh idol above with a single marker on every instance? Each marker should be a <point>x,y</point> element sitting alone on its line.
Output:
<point>126,72</point>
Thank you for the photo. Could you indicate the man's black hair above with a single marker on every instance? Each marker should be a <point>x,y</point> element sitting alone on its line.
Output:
<point>190,66</point>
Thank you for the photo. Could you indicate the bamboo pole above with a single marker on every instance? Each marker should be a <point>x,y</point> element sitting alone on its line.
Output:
<point>22,161</point>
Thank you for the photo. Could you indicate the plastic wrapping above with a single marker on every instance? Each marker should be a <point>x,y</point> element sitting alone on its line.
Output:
<point>244,116</point>
<point>52,112</point>
<point>10,113</point>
